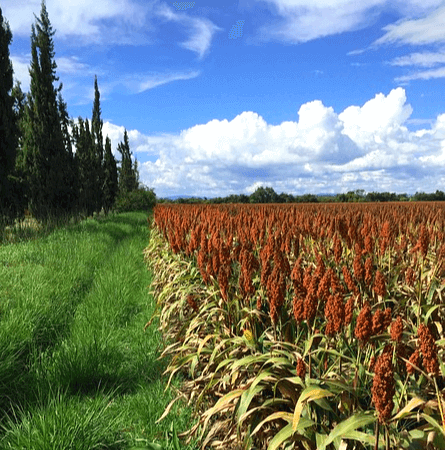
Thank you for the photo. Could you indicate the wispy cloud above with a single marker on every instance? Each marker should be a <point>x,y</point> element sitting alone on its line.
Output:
<point>131,84</point>
<point>423,59</point>
<point>298,21</point>
<point>422,75</point>
<point>105,21</point>
<point>73,66</point>
<point>78,78</point>
<point>201,40</point>
<point>301,21</point>
<point>137,83</point>
<point>425,30</point>
<point>201,29</point>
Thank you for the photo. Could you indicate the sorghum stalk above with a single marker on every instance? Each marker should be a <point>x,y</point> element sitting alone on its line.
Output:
<point>439,401</point>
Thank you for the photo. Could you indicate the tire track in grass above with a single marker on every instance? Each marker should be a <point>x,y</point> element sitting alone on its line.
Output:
<point>102,366</point>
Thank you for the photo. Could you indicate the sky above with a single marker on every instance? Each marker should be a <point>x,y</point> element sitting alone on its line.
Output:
<point>219,98</point>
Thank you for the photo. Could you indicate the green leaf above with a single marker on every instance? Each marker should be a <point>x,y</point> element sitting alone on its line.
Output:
<point>348,426</point>
<point>284,434</point>
<point>175,439</point>
<point>434,423</point>
<point>363,437</point>
<point>288,417</point>
<point>320,439</point>
<point>309,394</point>
<point>150,446</point>
<point>253,390</point>
<point>246,399</point>
<point>430,311</point>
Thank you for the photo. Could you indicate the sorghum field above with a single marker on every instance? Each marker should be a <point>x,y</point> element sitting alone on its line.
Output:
<point>305,326</point>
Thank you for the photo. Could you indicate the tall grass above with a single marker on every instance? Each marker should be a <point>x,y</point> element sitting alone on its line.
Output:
<point>77,369</point>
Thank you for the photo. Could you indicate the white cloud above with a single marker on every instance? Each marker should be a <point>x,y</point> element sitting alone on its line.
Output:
<point>202,30</point>
<point>424,59</point>
<point>302,21</point>
<point>72,66</point>
<point>377,119</point>
<point>139,143</point>
<point>143,82</point>
<point>77,78</point>
<point>20,65</point>
<point>422,75</point>
<point>105,21</point>
<point>366,147</point>
<point>426,30</point>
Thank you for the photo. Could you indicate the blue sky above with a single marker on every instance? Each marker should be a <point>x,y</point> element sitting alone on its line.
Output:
<point>320,96</point>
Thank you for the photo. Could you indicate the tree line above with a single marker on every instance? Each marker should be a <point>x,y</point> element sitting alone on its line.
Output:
<point>268,195</point>
<point>50,164</point>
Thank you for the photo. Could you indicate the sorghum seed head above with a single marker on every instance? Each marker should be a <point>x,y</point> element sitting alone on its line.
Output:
<point>397,329</point>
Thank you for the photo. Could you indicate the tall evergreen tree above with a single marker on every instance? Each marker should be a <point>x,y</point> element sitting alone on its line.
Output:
<point>8,122</point>
<point>46,159</point>
<point>96,132</point>
<point>128,173</point>
<point>111,184</point>
<point>72,175</point>
<point>17,183</point>
<point>85,159</point>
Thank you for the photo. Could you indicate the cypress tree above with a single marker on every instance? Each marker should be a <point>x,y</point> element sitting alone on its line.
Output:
<point>111,185</point>
<point>8,122</point>
<point>71,172</point>
<point>17,200</point>
<point>128,173</point>
<point>45,157</point>
<point>85,162</point>
<point>98,144</point>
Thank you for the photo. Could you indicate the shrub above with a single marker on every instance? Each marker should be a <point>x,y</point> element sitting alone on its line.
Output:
<point>141,199</point>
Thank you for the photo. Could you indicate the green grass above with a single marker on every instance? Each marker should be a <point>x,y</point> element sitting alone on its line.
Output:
<point>77,370</point>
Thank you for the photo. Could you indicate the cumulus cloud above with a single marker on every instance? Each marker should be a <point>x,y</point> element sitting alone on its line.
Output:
<point>378,119</point>
<point>367,146</point>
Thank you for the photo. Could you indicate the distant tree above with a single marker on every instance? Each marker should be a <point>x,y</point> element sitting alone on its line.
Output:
<point>381,197</point>
<point>46,161</point>
<point>8,119</point>
<point>264,195</point>
<point>438,196</point>
<point>307,198</point>
<point>111,182</point>
<point>128,171</point>
<point>285,198</point>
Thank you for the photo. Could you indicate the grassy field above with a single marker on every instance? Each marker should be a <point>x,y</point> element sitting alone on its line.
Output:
<point>77,370</point>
